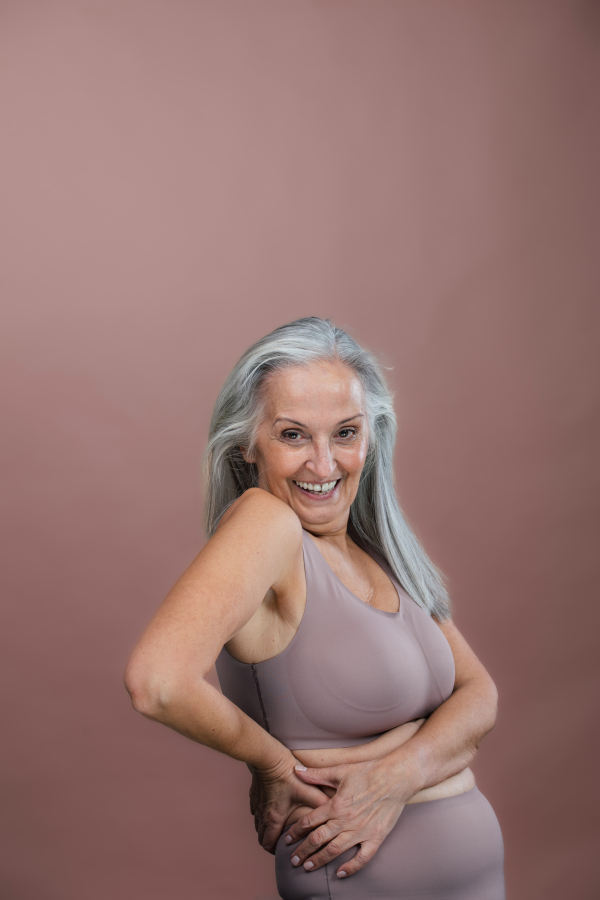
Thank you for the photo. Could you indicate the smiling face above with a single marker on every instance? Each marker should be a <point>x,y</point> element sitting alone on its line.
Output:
<point>312,443</point>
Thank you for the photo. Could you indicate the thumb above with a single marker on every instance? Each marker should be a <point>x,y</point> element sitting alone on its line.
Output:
<point>328,775</point>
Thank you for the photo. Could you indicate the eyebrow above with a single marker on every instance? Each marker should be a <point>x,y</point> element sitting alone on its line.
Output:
<point>293,421</point>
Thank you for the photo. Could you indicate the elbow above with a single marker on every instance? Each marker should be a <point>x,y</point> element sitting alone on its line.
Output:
<point>489,709</point>
<point>140,700</point>
<point>159,688</point>
<point>137,688</point>
<point>492,704</point>
<point>147,689</point>
<point>484,708</point>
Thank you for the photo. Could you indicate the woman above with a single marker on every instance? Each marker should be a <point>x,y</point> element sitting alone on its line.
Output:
<point>347,689</point>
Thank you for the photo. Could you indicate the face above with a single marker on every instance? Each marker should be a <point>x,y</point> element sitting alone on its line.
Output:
<point>312,443</point>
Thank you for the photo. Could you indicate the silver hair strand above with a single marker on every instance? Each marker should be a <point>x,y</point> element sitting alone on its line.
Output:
<point>375,515</point>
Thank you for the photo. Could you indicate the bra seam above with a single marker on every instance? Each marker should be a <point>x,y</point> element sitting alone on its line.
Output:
<point>327,880</point>
<point>260,699</point>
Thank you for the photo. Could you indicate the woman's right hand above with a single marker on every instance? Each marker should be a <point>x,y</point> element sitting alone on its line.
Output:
<point>274,794</point>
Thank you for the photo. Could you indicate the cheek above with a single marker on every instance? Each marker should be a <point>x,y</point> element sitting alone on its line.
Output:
<point>283,463</point>
<point>354,457</point>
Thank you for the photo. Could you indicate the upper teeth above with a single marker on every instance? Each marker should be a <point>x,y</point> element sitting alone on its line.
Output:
<point>317,488</point>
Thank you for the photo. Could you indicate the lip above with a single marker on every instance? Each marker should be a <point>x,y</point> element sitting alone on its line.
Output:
<point>318,497</point>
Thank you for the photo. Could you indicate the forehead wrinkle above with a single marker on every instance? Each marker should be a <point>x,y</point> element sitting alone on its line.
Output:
<point>303,425</point>
<point>298,393</point>
<point>301,393</point>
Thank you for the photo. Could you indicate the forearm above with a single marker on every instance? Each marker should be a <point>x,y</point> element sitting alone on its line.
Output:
<point>448,741</point>
<point>375,749</point>
<point>200,712</point>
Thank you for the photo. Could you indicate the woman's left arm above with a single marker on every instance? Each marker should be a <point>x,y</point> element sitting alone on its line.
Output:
<point>371,795</point>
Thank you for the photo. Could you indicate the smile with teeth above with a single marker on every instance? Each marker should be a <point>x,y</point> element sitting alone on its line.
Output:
<point>326,488</point>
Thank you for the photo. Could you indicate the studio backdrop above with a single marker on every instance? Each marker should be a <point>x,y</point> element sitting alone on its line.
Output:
<point>180,177</point>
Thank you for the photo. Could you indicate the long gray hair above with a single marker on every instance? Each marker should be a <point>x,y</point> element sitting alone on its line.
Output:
<point>375,515</point>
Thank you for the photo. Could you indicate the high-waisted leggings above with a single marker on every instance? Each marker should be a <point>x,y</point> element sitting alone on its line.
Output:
<point>448,849</point>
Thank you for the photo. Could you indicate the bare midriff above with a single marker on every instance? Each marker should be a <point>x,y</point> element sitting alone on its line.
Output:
<point>334,756</point>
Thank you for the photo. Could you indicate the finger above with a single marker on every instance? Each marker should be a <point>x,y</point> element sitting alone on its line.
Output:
<point>341,842</point>
<point>313,795</point>
<point>307,823</point>
<point>315,841</point>
<point>270,828</point>
<point>271,836</point>
<point>327,775</point>
<point>366,852</point>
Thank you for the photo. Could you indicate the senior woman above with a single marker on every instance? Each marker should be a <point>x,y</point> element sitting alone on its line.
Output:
<point>347,689</point>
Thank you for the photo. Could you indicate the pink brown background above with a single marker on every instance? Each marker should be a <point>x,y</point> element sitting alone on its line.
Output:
<point>180,177</point>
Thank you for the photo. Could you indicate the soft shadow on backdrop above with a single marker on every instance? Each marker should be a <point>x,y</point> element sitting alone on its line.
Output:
<point>179,178</point>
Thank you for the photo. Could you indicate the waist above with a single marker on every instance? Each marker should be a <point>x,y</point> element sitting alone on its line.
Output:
<point>461,783</point>
<point>457,784</point>
<point>330,756</point>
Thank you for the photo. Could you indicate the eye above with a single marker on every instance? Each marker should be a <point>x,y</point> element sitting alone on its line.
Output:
<point>291,435</point>
<point>347,432</point>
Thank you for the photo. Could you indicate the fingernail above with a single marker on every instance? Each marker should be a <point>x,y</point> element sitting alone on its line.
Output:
<point>300,768</point>
<point>288,839</point>
<point>341,874</point>
<point>295,860</point>
<point>309,864</point>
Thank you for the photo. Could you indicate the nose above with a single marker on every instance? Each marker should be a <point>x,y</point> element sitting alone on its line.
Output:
<point>321,459</point>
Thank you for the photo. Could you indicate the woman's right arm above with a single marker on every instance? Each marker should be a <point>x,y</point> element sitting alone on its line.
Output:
<point>220,592</point>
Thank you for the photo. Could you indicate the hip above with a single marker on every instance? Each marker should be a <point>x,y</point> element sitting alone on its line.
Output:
<point>449,849</point>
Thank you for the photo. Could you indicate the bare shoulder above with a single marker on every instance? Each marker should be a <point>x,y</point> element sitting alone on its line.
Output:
<point>256,504</point>
<point>257,519</point>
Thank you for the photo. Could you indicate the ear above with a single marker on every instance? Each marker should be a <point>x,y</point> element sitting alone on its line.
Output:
<point>249,458</point>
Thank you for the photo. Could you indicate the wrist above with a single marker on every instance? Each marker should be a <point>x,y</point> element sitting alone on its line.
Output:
<point>260,751</point>
<point>405,772</point>
<point>279,763</point>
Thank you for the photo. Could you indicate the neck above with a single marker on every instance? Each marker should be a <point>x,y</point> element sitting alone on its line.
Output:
<point>336,536</point>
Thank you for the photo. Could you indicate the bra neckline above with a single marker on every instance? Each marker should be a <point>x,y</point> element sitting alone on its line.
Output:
<point>308,539</point>
<point>383,612</point>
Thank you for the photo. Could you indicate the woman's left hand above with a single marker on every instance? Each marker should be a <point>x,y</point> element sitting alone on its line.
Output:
<point>366,806</point>
<point>274,794</point>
